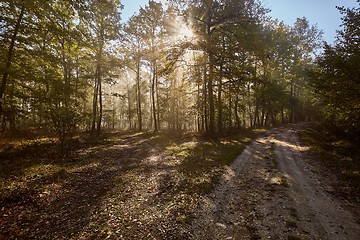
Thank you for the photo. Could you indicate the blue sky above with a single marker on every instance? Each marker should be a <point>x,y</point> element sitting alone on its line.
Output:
<point>320,12</point>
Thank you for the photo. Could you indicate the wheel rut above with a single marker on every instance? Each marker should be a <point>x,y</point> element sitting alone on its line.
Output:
<point>272,192</point>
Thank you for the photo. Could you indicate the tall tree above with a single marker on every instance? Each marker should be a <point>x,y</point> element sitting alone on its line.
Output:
<point>305,39</point>
<point>134,47</point>
<point>102,18</point>
<point>20,9</point>
<point>337,76</point>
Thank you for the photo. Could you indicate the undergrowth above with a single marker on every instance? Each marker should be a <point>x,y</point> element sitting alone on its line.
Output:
<point>338,153</point>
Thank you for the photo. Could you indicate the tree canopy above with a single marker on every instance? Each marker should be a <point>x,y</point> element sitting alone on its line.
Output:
<point>336,76</point>
<point>212,66</point>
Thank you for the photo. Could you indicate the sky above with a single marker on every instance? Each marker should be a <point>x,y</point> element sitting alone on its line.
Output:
<point>320,12</point>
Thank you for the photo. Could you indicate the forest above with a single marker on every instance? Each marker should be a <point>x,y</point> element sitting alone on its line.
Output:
<point>203,67</point>
<point>209,66</point>
<point>174,71</point>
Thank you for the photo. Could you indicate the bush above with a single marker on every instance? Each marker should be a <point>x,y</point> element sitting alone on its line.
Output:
<point>64,123</point>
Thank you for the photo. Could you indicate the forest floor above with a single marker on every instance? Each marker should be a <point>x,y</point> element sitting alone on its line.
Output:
<point>149,186</point>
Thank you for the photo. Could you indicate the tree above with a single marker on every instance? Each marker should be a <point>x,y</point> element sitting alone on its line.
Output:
<point>102,19</point>
<point>214,23</point>
<point>154,31</point>
<point>337,76</point>
<point>21,6</point>
<point>305,39</point>
<point>211,65</point>
<point>134,47</point>
<point>45,75</point>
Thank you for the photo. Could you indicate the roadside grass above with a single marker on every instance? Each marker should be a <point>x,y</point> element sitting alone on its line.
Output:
<point>337,153</point>
<point>201,162</point>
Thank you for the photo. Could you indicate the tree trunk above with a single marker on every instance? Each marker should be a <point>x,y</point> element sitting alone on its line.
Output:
<point>129,106</point>
<point>205,108</point>
<point>199,125</point>
<point>230,117</point>
<point>211,96</point>
<point>292,102</point>
<point>138,94</point>
<point>95,105</point>
<point>98,131</point>
<point>10,55</point>
<point>236,111</point>
<point>220,105</point>
<point>157,99</point>
<point>153,100</point>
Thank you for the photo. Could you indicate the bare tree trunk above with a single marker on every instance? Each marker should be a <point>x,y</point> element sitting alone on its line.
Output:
<point>263,116</point>
<point>199,125</point>
<point>12,108</point>
<point>205,112</point>
<point>138,94</point>
<point>157,99</point>
<point>95,105</point>
<point>209,22</point>
<point>153,99</point>
<point>292,100</point>
<point>220,105</point>
<point>236,111</point>
<point>230,112</point>
<point>129,106</point>
<point>100,108</point>
<point>211,96</point>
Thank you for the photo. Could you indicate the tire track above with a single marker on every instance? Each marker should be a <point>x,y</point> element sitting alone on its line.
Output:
<point>321,215</point>
<point>270,192</point>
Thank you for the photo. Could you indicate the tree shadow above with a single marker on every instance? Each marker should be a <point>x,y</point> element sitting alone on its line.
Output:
<point>77,191</point>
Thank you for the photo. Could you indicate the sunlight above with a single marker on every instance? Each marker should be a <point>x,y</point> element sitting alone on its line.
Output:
<point>181,31</point>
<point>185,32</point>
<point>292,146</point>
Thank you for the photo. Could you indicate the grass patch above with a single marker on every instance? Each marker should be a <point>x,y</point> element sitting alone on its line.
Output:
<point>279,181</point>
<point>201,161</point>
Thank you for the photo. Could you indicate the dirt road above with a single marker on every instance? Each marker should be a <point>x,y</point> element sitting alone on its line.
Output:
<point>272,191</point>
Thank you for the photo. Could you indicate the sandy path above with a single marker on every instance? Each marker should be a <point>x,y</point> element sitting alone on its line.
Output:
<point>272,192</point>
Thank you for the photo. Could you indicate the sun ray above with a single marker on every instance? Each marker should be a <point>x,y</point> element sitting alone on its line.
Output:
<point>181,31</point>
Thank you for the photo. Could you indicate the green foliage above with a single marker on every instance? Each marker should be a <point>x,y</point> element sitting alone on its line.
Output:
<point>202,162</point>
<point>337,76</point>
<point>239,68</point>
<point>64,123</point>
